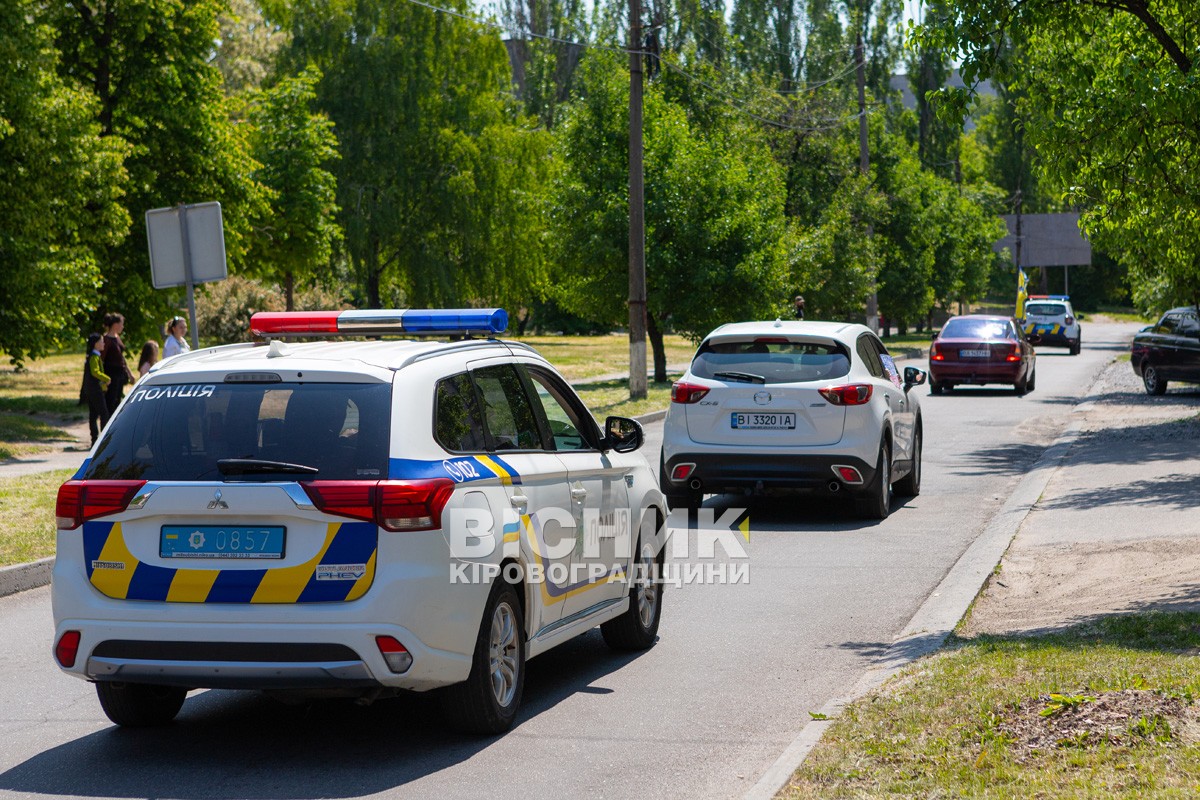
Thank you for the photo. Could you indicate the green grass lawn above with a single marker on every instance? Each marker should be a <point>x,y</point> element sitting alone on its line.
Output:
<point>578,357</point>
<point>1104,709</point>
<point>612,398</point>
<point>27,516</point>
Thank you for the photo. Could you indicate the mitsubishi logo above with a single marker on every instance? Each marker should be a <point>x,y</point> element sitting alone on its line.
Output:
<point>762,398</point>
<point>217,502</point>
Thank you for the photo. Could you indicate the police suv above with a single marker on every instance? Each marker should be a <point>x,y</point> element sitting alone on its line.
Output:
<point>1051,318</point>
<point>352,517</point>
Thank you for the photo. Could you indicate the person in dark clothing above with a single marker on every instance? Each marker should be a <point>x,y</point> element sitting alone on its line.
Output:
<point>114,361</point>
<point>799,306</point>
<point>95,383</point>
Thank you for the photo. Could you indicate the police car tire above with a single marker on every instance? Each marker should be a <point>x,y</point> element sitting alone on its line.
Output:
<point>1076,346</point>
<point>629,631</point>
<point>876,501</point>
<point>139,705</point>
<point>472,706</point>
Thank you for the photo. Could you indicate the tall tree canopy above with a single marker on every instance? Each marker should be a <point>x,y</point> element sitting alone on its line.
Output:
<point>62,188</point>
<point>1110,96</point>
<point>146,63</point>
<point>438,180</point>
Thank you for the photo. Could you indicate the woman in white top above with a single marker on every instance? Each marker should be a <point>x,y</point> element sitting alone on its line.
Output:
<point>176,343</point>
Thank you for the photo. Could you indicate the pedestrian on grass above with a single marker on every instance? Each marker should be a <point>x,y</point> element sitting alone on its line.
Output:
<point>799,306</point>
<point>148,358</point>
<point>115,365</point>
<point>176,343</point>
<point>95,384</point>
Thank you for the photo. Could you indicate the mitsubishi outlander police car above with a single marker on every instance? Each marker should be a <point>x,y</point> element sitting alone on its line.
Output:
<point>1051,318</point>
<point>352,517</point>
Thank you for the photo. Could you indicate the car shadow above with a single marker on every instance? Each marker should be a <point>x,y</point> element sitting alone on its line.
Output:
<point>798,511</point>
<point>228,744</point>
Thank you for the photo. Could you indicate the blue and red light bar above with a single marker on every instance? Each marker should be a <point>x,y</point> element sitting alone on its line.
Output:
<point>419,321</point>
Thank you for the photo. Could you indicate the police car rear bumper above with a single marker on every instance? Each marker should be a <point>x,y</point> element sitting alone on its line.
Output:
<point>255,656</point>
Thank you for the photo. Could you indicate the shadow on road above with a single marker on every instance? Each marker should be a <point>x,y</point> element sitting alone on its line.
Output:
<point>240,744</point>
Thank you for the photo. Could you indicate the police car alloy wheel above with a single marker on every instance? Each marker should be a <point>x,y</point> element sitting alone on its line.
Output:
<point>425,510</point>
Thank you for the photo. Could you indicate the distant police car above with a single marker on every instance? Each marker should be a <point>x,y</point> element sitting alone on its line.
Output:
<point>794,405</point>
<point>1051,318</point>
<point>354,516</point>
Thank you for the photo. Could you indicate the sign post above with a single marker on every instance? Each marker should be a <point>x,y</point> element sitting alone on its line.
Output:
<point>187,246</point>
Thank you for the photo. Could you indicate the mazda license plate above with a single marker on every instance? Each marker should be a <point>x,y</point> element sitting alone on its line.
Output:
<point>754,421</point>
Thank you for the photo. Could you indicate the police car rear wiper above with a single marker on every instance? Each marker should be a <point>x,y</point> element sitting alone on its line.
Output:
<point>748,377</point>
<point>253,466</point>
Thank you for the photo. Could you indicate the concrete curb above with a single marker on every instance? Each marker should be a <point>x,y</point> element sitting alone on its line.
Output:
<point>22,577</point>
<point>941,612</point>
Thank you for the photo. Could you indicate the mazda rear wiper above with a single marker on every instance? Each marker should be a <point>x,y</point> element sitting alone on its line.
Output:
<point>255,466</point>
<point>747,377</point>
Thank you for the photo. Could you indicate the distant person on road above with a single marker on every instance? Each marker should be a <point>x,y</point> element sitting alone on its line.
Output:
<point>799,306</point>
<point>115,365</point>
<point>176,343</point>
<point>95,384</point>
<point>148,358</point>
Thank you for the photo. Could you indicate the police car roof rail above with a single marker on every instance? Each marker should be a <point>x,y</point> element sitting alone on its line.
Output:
<point>376,322</point>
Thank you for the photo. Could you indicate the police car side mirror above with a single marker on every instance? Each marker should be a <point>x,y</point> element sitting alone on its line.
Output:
<point>913,377</point>
<point>622,434</point>
<point>1033,339</point>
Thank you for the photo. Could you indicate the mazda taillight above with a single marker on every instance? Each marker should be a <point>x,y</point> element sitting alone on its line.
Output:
<point>850,394</point>
<point>687,392</point>
<point>79,501</point>
<point>392,505</point>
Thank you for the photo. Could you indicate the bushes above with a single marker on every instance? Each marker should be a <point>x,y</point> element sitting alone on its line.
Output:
<point>224,308</point>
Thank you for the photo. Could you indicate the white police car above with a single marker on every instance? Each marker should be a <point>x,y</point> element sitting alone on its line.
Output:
<point>794,405</point>
<point>1051,318</point>
<point>360,517</point>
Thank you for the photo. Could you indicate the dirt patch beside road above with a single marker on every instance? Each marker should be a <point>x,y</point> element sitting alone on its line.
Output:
<point>1117,529</point>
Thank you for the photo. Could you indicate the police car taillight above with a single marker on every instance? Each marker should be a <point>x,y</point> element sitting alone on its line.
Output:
<point>392,505</point>
<point>395,654</point>
<point>79,501</point>
<point>380,321</point>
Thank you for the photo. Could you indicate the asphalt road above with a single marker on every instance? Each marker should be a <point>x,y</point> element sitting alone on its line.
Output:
<point>703,714</point>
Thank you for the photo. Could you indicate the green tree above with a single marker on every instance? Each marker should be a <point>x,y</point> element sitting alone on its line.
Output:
<point>248,46</point>
<point>62,187</point>
<point>1110,98</point>
<point>716,238</point>
<point>439,181</point>
<point>146,63</point>
<point>293,146</point>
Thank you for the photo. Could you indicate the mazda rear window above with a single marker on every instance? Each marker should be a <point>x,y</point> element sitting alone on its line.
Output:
<point>212,432</point>
<point>977,329</point>
<point>759,361</point>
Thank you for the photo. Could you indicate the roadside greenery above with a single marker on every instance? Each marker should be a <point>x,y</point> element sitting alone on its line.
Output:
<point>1106,708</point>
<point>27,516</point>
<point>414,157</point>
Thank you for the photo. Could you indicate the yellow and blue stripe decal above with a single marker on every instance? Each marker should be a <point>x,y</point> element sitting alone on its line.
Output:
<point>460,469</point>
<point>554,592</point>
<point>1053,329</point>
<point>117,573</point>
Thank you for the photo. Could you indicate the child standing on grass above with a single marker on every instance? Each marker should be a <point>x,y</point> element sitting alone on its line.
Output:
<point>95,384</point>
<point>148,358</point>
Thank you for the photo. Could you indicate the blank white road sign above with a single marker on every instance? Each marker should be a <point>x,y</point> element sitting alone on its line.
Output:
<point>206,240</point>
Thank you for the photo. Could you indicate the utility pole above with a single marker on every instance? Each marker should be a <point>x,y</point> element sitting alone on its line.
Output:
<point>637,212</point>
<point>864,163</point>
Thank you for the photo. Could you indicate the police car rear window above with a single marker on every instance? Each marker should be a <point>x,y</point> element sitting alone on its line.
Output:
<point>759,361</point>
<point>180,432</point>
<point>1045,309</point>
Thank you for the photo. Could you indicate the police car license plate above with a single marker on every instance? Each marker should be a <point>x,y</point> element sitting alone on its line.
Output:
<point>753,421</point>
<point>221,541</point>
<point>974,353</point>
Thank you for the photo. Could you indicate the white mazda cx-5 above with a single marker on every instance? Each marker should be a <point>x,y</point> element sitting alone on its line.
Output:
<point>795,405</point>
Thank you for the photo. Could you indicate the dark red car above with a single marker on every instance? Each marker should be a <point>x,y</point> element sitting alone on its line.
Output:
<point>979,349</point>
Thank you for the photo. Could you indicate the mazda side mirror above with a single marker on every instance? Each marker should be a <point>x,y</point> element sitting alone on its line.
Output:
<point>913,377</point>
